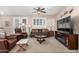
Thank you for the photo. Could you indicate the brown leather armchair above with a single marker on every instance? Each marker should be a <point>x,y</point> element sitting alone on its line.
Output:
<point>19,31</point>
<point>6,44</point>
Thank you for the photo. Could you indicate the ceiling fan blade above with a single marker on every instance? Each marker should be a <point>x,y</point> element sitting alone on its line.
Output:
<point>43,11</point>
<point>34,8</point>
<point>42,8</point>
<point>38,9</point>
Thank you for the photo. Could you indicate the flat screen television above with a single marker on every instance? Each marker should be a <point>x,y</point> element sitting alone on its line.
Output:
<point>64,24</point>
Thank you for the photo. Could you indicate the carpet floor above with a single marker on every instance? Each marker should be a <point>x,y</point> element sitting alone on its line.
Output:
<point>51,45</point>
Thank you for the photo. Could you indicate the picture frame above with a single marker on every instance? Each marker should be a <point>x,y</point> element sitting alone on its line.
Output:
<point>6,23</point>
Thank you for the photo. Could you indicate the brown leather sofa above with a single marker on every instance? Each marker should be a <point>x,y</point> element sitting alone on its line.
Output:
<point>39,31</point>
<point>6,44</point>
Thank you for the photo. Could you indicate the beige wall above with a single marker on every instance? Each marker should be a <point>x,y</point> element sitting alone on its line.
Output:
<point>3,20</point>
<point>50,19</point>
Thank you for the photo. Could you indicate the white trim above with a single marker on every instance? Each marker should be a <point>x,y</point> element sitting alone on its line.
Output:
<point>20,21</point>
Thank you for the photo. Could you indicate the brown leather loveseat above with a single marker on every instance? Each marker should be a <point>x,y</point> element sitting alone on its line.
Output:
<point>39,31</point>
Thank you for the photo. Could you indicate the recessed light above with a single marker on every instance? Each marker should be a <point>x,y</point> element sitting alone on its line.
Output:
<point>1,13</point>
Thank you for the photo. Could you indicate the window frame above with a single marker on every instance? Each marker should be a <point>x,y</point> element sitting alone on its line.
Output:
<point>39,21</point>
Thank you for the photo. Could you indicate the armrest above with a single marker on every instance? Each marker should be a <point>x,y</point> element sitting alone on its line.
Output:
<point>3,45</point>
<point>11,37</point>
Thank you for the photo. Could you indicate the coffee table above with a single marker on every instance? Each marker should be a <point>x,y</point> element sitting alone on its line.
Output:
<point>40,38</point>
<point>22,42</point>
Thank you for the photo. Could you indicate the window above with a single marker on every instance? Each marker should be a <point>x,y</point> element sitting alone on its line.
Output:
<point>20,22</point>
<point>38,21</point>
<point>34,22</point>
<point>16,23</point>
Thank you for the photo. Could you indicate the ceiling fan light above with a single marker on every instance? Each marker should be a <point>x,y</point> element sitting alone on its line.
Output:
<point>38,12</point>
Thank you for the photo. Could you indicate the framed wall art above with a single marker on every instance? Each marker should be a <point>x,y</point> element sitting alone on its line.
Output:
<point>6,23</point>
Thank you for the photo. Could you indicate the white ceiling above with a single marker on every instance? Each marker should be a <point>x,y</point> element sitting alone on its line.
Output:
<point>27,10</point>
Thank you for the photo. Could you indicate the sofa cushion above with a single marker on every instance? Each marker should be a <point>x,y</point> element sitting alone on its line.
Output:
<point>11,43</point>
<point>45,30</point>
<point>39,32</point>
<point>34,30</point>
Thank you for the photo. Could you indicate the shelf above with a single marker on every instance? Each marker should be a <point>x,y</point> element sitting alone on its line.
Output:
<point>68,40</point>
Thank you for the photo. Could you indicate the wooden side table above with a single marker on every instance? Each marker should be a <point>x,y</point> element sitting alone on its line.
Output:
<point>51,33</point>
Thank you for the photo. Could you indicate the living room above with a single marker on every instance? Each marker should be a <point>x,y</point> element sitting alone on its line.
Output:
<point>40,26</point>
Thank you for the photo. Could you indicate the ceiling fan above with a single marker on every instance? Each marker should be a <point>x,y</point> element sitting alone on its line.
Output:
<point>39,10</point>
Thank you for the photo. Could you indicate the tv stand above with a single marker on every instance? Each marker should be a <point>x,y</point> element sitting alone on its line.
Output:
<point>68,40</point>
<point>64,33</point>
